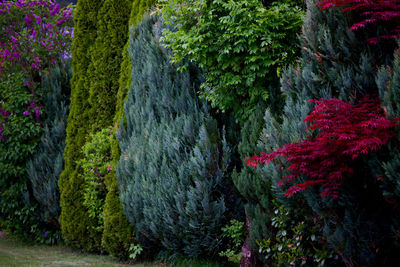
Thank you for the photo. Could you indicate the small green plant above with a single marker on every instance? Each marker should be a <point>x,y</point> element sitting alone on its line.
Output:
<point>96,165</point>
<point>236,234</point>
<point>295,241</point>
<point>134,251</point>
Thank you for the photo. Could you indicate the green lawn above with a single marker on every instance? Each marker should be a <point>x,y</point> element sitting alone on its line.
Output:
<point>18,254</point>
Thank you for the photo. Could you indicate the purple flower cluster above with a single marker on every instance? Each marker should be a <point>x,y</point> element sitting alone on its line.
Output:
<point>33,34</point>
<point>36,110</point>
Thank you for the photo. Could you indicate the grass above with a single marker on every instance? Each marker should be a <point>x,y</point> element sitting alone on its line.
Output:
<point>16,253</point>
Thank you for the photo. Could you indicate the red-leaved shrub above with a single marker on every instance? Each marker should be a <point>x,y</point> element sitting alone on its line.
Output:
<point>339,133</point>
<point>374,12</point>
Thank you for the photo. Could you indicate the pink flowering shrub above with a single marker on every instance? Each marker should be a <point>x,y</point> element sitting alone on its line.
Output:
<point>33,35</point>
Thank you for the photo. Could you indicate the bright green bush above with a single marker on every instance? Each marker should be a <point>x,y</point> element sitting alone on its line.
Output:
<point>96,164</point>
<point>240,45</point>
<point>101,30</point>
<point>106,58</point>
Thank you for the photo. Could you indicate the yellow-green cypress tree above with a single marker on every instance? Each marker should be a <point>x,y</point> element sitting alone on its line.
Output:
<point>73,219</point>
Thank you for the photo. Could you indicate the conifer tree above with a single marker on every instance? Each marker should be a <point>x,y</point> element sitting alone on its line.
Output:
<point>103,75</point>
<point>254,187</point>
<point>117,234</point>
<point>173,173</point>
<point>336,63</point>
<point>46,164</point>
<point>74,221</point>
<point>388,80</point>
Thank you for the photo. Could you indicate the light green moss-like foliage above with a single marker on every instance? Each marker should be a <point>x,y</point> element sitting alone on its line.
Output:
<point>74,220</point>
<point>100,34</point>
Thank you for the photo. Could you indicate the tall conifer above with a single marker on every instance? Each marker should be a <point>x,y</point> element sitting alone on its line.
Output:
<point>173,172</point>
<point>74,221</point>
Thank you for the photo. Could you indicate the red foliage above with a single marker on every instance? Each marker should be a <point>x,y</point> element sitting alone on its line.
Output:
<point>339,133</point>
<point>385,12</point>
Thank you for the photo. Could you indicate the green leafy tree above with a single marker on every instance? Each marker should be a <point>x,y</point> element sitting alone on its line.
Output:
<point>173,172</point>
<point>240,45</point>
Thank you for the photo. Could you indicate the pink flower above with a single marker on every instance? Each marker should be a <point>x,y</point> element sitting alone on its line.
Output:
<point>109,167</point>
<point>55,10</point>
<point>37,18</point>
<point>26,112</point>
<point>37,112</point>
<point>60,22</point>
<point>28,20</point>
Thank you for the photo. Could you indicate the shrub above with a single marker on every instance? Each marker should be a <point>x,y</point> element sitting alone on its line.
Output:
<point>20,131</point>
<point>173,172</point>
<point>339,133</point>
<point>95,165</point>
<point>35,35</point>
<point>336,63</point>
<point>240,45</point>
<point>46,164</point>
<point>376,13</point>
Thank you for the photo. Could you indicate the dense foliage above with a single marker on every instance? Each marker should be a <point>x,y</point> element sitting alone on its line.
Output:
<point>152,170</point>
<point>174,165</point>
<point>33,36</point>
<point>46,164</point>
<point>240,45</point>
<point>339,133</point>
<point>378,13</point>
<point>74,221</point>
<point>20,135</point>
<point>337,63</point>
<point>95,165</point>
